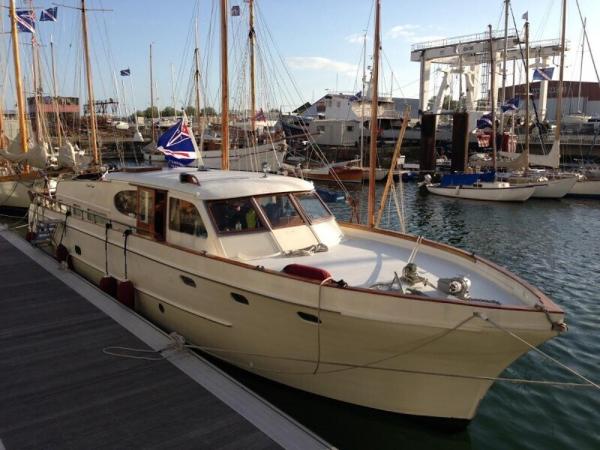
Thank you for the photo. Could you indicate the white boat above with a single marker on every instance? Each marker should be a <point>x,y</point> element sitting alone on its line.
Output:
<point>250,159</point>
<point>547,185</point>
<point>256,271</point>
<point>497,191</point>
<point>585,187</point>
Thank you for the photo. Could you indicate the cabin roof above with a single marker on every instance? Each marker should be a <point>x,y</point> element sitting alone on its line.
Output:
<point>214,184</point>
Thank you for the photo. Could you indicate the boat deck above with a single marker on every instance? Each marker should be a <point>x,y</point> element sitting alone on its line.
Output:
<point>59,389</point>
<point>363,263</point>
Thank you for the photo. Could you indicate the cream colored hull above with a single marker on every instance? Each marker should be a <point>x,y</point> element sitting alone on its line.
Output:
<point>15,193</point>
<point>586,188</point>
<point>247,159</point>
<point>397,354</point>
<point>555,188</point>
<point>511,194</point>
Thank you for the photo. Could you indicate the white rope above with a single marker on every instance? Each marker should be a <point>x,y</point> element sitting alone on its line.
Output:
<point>537,350</point>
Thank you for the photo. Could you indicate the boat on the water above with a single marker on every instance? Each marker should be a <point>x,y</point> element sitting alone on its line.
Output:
<point>257,271</point>
<point>480,186</point>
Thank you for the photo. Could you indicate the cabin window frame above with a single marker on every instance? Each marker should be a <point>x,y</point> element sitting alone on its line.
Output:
<point>132,214</point>
<point>309,220</point>
<point>301,215</point>
<point>266,226</point>
<point>171,199</point>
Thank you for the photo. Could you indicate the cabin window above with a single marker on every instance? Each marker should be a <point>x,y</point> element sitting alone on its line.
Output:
<point>126,202</point>
<point>280,210</point>
<point>235,215</point>
<point>349,128</point>
<point>313,207</point>
<point>320,128</point>
<point>185,218</point>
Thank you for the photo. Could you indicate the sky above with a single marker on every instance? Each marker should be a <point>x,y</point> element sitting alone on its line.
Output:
<point>305,48</point>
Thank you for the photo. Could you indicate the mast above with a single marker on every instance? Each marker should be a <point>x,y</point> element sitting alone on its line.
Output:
<point>18,81</point>
<point>561,73</point>
<point>173,90</point>
<point>97,158</point>
<point>362,101</point>
<point>197,82</point>
<point>251,41</point>
<point>581,65</point>
<point>374,101</point>
<point>55,94</point>
<point>527,137</point>
<point>224,89</point>
<point>493,96</point>
<point>503,91</point>
<point>152,99</point>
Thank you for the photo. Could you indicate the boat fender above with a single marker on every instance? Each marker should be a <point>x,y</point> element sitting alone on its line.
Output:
<point>126,294</point>
<point>61,253</point>
<point>108,284</point>
<point>312,273</point>
<point>30,236</point>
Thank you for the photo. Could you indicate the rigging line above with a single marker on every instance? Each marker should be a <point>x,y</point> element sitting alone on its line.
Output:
<point>588,41</point>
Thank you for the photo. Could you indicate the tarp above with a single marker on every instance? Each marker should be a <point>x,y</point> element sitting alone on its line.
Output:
<point>463,179</point>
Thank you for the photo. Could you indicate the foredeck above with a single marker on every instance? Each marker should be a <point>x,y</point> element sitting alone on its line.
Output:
<point>59,389</point>
<point>363,263</point>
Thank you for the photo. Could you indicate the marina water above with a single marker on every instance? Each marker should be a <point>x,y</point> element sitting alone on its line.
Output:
<point>553,244</point>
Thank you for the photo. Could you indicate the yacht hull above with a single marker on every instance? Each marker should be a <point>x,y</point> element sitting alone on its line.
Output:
<point>585,188</point>
<point>555,188</point>
<point>511,194</point>
<point>14,190</point>
<point>398,354</point>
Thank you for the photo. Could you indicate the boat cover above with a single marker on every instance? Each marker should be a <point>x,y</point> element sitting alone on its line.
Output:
<point>461,179</point>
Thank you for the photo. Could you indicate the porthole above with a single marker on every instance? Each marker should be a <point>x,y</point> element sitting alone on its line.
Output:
<point>239,298</point>
<point>78,249</point>
<point>308,317</point>
<point>161,308</point>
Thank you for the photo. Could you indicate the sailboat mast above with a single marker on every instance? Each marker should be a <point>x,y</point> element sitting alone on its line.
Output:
<point>224,89</point>
<point>493,96</point>
<point>55,94</point>
<point>36,89</point>
<point>152,99</point>
<point>581,65</point>
<point>251,41</point>
<point>197,81</point>
<point>18,81</point>
<point>374,102</point>
<point>561,72</point>
<point>97,159</point>
<point>362,101</point>
<point>505,50</point>
<point>527,137</point>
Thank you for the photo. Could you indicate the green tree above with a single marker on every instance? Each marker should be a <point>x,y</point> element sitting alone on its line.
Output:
<point>169,111</point>
<point>209,111</point>
<point>148,112</point>
<point>190,111</point>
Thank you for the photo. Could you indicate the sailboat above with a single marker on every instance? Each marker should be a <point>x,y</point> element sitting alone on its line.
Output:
<point>17,176</point>
<point>547,184</point>
<point>255,270</point>
<point>482,186</point>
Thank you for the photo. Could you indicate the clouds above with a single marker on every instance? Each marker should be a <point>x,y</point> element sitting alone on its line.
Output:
<point>411,33</point>
<point>322,64</point>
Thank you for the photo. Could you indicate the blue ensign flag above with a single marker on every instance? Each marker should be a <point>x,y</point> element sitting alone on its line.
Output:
<point>484,121</point>
<point>125,72</point>
<point>543,74</point>
<point>49,15</point>
<point>177,145</point>
<point>25,20</point>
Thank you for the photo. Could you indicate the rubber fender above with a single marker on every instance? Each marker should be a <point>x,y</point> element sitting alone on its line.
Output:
<point>126,294</point>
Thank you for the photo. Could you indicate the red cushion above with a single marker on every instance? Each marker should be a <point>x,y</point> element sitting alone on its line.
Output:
<point>313,273</point>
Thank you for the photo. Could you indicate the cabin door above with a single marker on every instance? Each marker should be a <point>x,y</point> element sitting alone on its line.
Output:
<point>152,213</point>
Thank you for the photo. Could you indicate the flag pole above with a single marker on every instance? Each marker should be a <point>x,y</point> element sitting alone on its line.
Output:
<point>224,89</point>
<point>18,81</point>
<point>374,103</point>
<point>97,157</point>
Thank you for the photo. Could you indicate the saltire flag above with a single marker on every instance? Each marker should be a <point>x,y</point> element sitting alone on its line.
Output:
<point>356,97</point>
<point>260,115</point>
<point>510,105</point>
<point>543,74</point>
<point>178,145</point>
<point>235,10</point>
<point>484,121</point>
<point>26,20</point>
<point>125,72</point>
<point>49,15</point>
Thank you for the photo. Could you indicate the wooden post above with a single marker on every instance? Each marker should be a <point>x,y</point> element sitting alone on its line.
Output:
<point>18,81</point>
<point>224,89</point>
<point>390,176</point>
<point>97,158</point>
<point>374,109</point>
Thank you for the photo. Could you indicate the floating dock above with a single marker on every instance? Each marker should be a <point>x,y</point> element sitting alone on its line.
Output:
<point>61,388</point>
